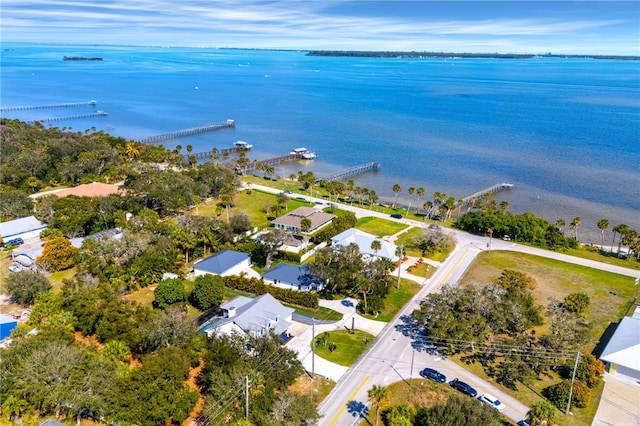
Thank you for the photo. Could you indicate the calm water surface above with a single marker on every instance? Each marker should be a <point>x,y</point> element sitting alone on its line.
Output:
<point>566,132</point>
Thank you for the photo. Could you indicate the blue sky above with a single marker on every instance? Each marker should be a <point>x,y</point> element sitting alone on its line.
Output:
<point>563,27</point>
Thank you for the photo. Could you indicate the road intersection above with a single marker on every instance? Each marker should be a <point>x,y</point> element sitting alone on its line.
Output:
<point>399,353</point>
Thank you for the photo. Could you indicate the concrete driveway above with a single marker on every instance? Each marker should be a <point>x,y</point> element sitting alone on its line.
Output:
<point>619,403</point>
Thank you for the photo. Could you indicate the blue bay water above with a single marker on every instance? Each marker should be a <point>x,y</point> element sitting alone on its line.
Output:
<point>566,132</point>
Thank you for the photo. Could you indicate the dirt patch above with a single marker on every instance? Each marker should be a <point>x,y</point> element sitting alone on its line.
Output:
<point>317,388</point>
<point>191,382</point>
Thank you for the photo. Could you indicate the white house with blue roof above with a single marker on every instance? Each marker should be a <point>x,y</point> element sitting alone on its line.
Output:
<point>224,263</point>
<point>25,227</point>
<point>256,317</point>
<point>292,277</point>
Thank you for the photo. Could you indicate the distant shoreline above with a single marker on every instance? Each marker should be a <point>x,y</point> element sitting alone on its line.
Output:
<point>79,58</point>
<point>389,54</point>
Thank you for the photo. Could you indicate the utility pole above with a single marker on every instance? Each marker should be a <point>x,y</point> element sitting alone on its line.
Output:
<point>413,353</point>
<point>313,347</point>
<point>246,402</point>
<point>400,254</point>
<point>573,379</point>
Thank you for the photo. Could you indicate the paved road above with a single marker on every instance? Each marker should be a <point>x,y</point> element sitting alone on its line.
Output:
<point>398,352</point>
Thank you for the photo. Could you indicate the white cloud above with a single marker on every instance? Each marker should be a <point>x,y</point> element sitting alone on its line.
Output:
<point>289,24</point>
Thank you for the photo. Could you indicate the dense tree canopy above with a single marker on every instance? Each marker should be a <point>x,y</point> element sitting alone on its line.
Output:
<point>23,287</point>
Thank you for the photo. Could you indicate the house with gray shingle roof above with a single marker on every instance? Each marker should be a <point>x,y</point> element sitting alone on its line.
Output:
<point>291,222</point>
<point>224,263</point>
<point>292,277</point>
<point>252,316</point>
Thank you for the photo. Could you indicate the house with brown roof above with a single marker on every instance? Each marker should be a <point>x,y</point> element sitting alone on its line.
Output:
<point>291,222</point>
<point>94,189</point>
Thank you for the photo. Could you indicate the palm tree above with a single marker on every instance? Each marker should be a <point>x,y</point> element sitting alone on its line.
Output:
<point>420,194</point>
<point>376,245</point>
<point>603,224</point>
<point>373,197</point>
<point>427,206</point>
<point>504,205</point>
<point>396,188</point>
<point>575,222</point>
<point>214,155</point>
<point>132,150</point>
<point>411,190</point>
<point>178,148</point>
<point>377,394</point>
<point>560,224</point>
<point>618,229</point>
<point>305,224</point>
<point>189,148</point>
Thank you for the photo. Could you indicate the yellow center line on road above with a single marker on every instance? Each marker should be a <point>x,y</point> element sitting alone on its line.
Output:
<point>446,277</point>
<point>350,399</point>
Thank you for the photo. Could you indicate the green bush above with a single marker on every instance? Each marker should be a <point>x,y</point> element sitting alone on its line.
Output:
<point>577,303</point>
<point>558,394</point>
<point>256,286</point>
<point>207,292</point>
<point>168,292</point>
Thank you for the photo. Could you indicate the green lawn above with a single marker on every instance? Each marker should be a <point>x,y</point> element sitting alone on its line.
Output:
<point>322,313</point>
<point>348,346</point>
<point>252,203</point>
<point>379,227</point>
<point>610,295</point>
<point>396,299</point>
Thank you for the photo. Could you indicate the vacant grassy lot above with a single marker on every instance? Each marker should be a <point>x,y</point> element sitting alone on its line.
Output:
<point>610,296</point>
<point>253,204</point>
<point>396,299</point>
<point>379,227</point>
<point>406,239</point>
<point>348,346</point>
<point>416,392</point>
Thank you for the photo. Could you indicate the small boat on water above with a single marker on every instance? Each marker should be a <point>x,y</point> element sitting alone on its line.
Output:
<point>242,146</point>
<point>304,153</point>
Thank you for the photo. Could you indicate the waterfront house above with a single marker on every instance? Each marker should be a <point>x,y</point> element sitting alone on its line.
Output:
<point>622,353</point>
<point>291,222</point>
<point>224,263</point>
<point>255,317</point>
<point>363,240</point>
<point>292,277</point>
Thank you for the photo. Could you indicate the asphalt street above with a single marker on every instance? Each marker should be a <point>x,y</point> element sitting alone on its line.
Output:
<point>399,351</point>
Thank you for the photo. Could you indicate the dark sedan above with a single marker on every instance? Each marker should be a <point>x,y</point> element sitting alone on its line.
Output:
<point>463,387</point>
<point>434,375</point>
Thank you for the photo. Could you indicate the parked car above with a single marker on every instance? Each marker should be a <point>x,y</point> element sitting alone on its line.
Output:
<point>15,268</point>
<point>463,387</point>
<point>396,216</point>
<point>13,242</point>
<point>288,191</point>
<point>492,402</point>
<point>523,423</point>
<point>434,375</point>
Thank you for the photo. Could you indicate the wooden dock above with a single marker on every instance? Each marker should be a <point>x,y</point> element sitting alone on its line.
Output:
<point>269,162</point>
<point>187,132</point>
<point>205,155</point>
<point>70,117</point>
<point>352,171</point>
<point>490,190</point>
<point>63,105</point>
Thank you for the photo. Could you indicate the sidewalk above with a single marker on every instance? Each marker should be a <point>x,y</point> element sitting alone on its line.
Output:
<point>303,335</point>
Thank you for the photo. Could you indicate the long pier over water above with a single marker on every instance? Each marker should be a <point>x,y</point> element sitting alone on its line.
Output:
<point>187,132</point>
<point>64,105</point>
<point>70,117</point>
<point>490,190</point>
<point>352,171</point>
